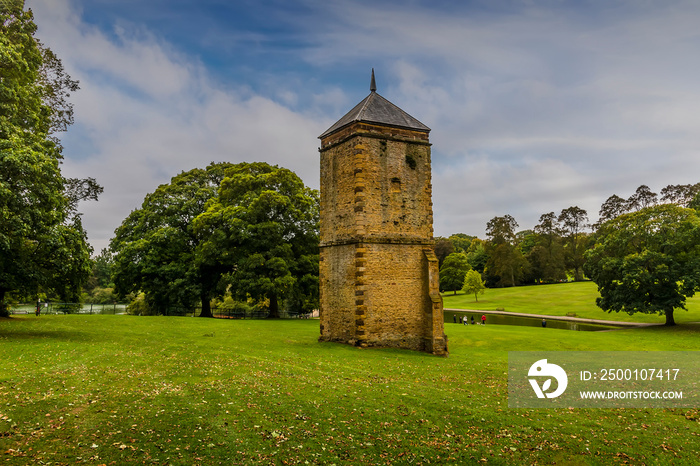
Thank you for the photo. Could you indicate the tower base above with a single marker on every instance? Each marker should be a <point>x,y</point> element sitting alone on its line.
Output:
<point>382,295</point>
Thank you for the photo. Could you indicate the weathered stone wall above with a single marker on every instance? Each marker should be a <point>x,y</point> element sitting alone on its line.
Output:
<point>337,277</point>
<point>376,187</point>
<point>378,272</point>
<point>381,294</point>
<point>396,296</point>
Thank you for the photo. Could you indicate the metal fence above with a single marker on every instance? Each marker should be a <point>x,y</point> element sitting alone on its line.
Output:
<point>223,313</point>
<point>69,308</point>
<point>121,308</point>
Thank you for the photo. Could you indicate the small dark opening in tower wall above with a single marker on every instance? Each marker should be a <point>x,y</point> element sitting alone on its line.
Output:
<point>411,161</point>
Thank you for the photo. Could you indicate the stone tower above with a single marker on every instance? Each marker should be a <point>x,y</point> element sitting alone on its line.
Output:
<point>378,270</point>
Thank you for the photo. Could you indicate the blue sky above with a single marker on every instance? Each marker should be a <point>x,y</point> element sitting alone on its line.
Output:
<point>535,106</point>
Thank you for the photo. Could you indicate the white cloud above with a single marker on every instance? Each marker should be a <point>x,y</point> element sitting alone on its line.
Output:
<point>538,109</point>
<point>144,114</point>
<point>477,188</point>
<point>532,108</point>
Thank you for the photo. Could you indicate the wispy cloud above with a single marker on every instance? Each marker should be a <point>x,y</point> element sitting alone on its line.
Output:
<point>145,113</point>
<point>534,106</point>
<point>538,108</point>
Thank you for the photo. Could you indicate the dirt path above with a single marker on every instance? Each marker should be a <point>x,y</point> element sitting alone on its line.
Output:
<point>567,318</point>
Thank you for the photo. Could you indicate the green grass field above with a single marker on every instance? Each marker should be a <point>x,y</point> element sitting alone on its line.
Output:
<point>559,300</point>
<point>183,391</point>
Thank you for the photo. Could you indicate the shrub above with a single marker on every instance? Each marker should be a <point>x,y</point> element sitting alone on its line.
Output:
<point>139,307</point>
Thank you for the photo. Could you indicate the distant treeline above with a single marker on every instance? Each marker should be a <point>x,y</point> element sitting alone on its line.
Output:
<point>552,252</point>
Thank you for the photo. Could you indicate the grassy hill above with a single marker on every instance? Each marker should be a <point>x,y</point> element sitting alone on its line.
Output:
<point>560,300</point>
<point>185,391</point>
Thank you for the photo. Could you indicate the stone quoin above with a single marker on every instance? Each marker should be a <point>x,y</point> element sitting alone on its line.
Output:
<point>379,281</point>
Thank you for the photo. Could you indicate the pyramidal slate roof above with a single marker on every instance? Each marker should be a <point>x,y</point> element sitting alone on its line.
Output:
<point>376,109</point>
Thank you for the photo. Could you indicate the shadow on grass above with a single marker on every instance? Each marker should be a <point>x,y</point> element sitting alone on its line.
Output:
<point>44,334</point>
<point>692,327</point>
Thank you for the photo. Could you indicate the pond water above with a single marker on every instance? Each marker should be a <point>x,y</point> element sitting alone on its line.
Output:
<point>502,319</point>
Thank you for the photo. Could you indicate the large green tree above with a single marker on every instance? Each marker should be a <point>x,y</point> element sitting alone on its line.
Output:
<point>155,249</point>
<point>263,227</point>
<point>477,255</point>
<point>574,222</point>
<point>546,258</point>
<point>452,272</point>
<point>506,264</point>
<point>461,241</point>
<point>647,261</point>
<point>443,248</point>
<point>43,246</point>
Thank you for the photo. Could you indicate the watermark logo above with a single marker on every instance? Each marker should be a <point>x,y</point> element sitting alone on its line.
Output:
<point>603,379</point>
<point>543,369</point>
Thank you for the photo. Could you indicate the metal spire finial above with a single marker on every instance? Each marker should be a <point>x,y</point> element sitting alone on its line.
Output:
<point>373,83</point>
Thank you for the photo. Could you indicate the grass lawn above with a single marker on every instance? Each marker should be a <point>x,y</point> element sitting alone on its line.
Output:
<point>183,391</point>
<point>558,300</point>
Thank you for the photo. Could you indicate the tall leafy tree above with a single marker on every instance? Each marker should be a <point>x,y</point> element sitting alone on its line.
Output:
<point>548,229</point>
<point>574,221</point>
<point>263,227</point>
<point>42,243</point>
<point>502,230</point>
<point>452,272</point>
<point>155,248</point>
<point>506,264</point>
<point>443,248</point>
<point>680,194</point>
<point>477,255</point>
<point>643,197</point>
<point>647,261</point>
<point>611,208</point>
<point>461,241</point>
<point>547,257</point>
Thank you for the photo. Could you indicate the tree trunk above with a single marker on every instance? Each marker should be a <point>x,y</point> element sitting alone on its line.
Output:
<point>669,318</point>
<point>206,307</point>
<point>3,309</point>
<point>274,307</point>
